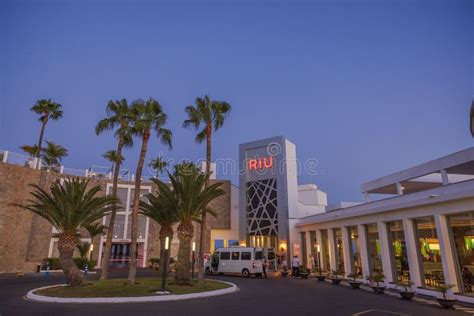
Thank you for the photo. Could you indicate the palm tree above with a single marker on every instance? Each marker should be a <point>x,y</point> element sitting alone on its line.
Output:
<point>472,118</point>
<point>53,154</point>
<point>159,165</point>
<point>118,116</point>
<point>146,116</point>
<point>69,207</point>
<point>83,248</point>
<point>47,110</point>
<point>161,211</point>
<point>31,150</point>
<point>111,155</point>
<point>190,198</point>
<point>94,230</point>
<point>209,114</point>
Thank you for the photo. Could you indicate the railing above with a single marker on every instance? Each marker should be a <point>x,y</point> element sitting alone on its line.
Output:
<point>35,163</point>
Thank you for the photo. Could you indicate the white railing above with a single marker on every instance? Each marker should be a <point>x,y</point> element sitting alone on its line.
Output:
<point>18,159</point>
<point>35,163</point>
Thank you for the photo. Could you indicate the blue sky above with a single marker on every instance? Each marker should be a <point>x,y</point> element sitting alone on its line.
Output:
<point>366,87</point>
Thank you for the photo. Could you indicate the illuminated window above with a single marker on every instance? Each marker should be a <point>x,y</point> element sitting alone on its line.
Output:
<point>430,255</point>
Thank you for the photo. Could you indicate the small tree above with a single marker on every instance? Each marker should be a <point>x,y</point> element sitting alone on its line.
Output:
<point>190,197</point>
<point>47,110</point>
<point>53,154</point>
<point>405,285</point>
<point>159,165</point>
<point>69,207</point>
<point>95,229</point>
<point>443,288</point>
<point>161,210</point>
<point>31,150</point>
<point>353,276</point>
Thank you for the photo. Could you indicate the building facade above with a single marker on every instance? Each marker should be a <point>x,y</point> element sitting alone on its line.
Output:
<point>27,239</point>
<point>415,225</point>
<point>423,232</point>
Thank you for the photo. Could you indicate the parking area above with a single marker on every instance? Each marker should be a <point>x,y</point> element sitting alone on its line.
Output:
<point>273,296</point>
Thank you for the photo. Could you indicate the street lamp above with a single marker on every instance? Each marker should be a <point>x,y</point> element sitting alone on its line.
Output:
<point>165,265</point>
<point>193,261</point>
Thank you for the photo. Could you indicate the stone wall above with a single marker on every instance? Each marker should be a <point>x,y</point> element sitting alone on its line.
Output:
<point>25,237</point>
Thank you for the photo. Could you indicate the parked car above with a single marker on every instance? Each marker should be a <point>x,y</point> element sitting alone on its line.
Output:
<point>245,261</point>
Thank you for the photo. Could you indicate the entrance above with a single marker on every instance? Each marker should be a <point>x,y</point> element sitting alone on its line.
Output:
<point>269,244</point>
<point>120,255</point>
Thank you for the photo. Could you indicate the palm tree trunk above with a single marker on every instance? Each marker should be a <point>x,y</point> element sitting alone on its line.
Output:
<point>40,142</point>
<point>110,230</point>
<point>203,234</point>
<point>183,265</point>
<point>66,246</point>
<point>165,231</point>
<point>132,272</point>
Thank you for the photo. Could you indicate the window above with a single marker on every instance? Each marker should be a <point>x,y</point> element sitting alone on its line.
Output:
<point>325,249</point>
<point>218,243</point>
<point>428,245</point>
<point>355,250</point>
<point>235,255</point>
<point>225,255</point>
<point>339,250</point>
<point>247,255</point>
<point>375,254</point>
<point>233,242</point>
<point>462,228</point>
<point>258,255</point>
<point>398,251</point>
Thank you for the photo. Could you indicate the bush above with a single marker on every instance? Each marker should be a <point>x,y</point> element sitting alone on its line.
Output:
<point>80,263</point>
<point>53,263</point>
<point>154,262</point>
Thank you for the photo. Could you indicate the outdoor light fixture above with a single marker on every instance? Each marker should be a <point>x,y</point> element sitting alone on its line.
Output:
<point>319,258</point>
<point>193,260</point>
<point>165,265</point>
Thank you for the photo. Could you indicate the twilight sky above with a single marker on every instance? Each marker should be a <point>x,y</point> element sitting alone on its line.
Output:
<point>366,87</point>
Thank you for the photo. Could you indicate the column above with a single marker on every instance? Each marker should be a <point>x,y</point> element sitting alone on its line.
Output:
<point>346,248</point>
<point>447,253</point>
<point>444,177</point>
<point>322,250</point>
<point>399,188</point>
<point>412,252</point>
<point>364,254</point>
<point>332,249</point>
<point>304,253</point>
<point>385,252</point>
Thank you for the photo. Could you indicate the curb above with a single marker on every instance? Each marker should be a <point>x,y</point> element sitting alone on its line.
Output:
<point>138,299</point>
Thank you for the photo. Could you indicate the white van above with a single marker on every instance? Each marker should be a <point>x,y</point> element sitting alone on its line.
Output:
<point>236,260</point>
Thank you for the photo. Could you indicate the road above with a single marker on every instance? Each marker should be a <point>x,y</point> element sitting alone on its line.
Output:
<point>265,297</point>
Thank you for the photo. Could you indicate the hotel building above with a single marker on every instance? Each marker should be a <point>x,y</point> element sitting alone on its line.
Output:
<point>415,225</point>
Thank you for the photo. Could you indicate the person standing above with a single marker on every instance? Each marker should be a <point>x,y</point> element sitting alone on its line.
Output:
<point>264,267</point>
<point>295,266</point>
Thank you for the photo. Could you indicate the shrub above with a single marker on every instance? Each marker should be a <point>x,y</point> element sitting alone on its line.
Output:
<point>53,263</point>
<point>80,263</point>
<point>154,262</point>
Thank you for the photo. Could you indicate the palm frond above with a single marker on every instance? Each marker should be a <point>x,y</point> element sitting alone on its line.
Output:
<point>71,206</point>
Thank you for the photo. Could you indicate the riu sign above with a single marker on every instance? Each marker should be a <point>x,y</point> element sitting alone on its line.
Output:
<point>260,163</point>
